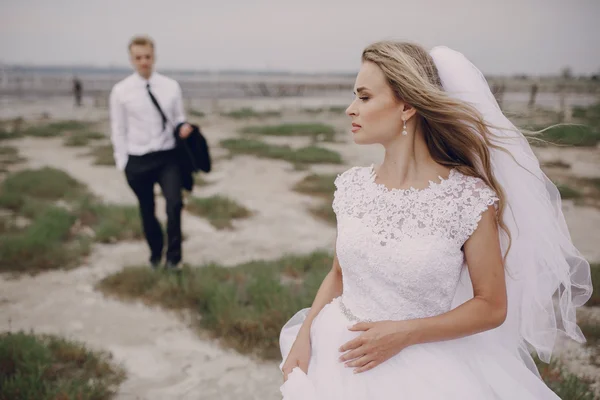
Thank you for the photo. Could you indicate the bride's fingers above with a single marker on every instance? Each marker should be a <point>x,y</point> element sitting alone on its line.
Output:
<point>366,367</point>
<point>352,344</point>
<point>353,354</point>
<point>359,362</point>
<point>287,370</point>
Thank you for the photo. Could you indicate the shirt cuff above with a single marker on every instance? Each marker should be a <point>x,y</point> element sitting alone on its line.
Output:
<point>121,162</point>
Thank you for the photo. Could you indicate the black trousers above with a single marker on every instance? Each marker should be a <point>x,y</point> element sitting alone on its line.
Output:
<point>142,173</point>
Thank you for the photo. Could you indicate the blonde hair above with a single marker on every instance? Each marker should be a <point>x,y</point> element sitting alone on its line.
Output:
<point>141,40</point>
<point>455,133</point>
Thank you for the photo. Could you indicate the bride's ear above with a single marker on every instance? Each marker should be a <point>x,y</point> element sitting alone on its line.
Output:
<point>407,110</point>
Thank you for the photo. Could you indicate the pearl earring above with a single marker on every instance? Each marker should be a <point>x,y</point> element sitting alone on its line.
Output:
<point>404,132</point>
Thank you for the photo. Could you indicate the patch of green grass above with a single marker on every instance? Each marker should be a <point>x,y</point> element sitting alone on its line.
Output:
<point>8,151</point>
<point>196,113</point>
<point>321,186</point>
<point>595,273</point>
<point>43,245</point>
<point>591,332</point>
<point>594,182</point>
<point>245,305</point>
<point>47,184</point>
<point>567,386</point>
<point>55,128</point>
<point>325,212</point>
<point>7,135</point>
<point>314,130</point>
<point>111,223</point>
<point>9,156</point>
<point>579,112</point>
<point>567,192</point>
<point>556,164</point>
<point>62,213</point>
<point>305,155</point>
<point>337,109</point>
<point>45,367</point>
<point>245,113</point>
<point>568,135</point>
<point>80,139</point>
<point>219,210</point>
<point>313,110</point>
<point>332,109</point>
<point>316,155</point>
<point>590,114</point>
<point>317,185</point>
<point>103,155</point>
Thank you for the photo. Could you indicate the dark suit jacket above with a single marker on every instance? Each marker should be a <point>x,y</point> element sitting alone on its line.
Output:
<point>193,155</point>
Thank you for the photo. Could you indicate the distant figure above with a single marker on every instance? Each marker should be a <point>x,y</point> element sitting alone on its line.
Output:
<point>145,109</point>
<point>533,94</point>
<point>77,91</point>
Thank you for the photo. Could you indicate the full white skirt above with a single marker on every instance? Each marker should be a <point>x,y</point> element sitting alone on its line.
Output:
<point>465,369</point>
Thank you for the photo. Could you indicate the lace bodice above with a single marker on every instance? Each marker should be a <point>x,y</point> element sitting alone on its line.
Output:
<point>400,250</point>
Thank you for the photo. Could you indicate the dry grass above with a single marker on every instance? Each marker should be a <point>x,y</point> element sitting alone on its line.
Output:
<point>302,156</point>
<point>84,138</point>
<point>45,367</point>
<point>245,305</point>
<point>566,385</point>
<point>103,155</point>
<point>219,210</point>
<point>64,220</point>
<point>9,155</point>
<point>56,128</point>
<point>595,299</point>
<point>316,131</point>
<point>320,186</point>
<point>245,113</point>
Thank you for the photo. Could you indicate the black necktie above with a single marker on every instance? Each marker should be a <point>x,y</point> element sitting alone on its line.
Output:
<point>155,102</point>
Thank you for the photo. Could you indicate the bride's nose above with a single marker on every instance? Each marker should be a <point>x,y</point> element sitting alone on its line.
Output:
<point>351,111</point>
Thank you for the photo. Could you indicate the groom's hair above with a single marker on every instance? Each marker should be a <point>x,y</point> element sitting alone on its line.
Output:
<point>141,40</point>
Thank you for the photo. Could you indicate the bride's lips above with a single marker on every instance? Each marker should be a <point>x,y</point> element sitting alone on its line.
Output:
<point>355,127</point>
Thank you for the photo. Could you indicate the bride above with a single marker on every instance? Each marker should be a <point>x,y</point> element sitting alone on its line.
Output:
<point>453,260</point>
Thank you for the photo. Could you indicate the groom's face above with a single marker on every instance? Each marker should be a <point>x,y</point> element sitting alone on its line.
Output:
<point>142,59</point>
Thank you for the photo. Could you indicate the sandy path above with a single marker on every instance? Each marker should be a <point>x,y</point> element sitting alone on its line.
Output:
<point>164,357</point>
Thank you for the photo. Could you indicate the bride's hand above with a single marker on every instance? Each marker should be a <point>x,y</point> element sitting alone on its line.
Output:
<point>299,356</point>
<point>379,342</point>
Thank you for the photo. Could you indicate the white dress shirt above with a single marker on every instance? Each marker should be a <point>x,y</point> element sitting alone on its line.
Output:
<point>136,123</point>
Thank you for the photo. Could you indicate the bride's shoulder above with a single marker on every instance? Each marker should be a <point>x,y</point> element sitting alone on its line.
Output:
<point>474,190</point>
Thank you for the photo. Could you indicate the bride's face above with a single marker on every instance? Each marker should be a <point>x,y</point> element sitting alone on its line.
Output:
<point>376,113</point>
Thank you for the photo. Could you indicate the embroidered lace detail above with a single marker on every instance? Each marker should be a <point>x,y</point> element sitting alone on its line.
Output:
<point>400,249</point>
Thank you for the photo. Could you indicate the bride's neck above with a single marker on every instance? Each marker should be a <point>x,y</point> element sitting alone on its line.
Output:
<point>407,162</point>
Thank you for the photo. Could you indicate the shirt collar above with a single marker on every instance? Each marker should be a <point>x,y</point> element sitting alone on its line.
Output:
<point>145,81</point>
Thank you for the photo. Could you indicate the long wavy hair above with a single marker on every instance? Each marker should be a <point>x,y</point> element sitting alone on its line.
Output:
<point>455,132</point>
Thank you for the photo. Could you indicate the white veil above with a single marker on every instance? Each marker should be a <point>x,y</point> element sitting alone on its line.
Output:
<point>547,278</point>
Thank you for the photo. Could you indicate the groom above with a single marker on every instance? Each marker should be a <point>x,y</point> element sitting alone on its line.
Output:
<point>145,108</point>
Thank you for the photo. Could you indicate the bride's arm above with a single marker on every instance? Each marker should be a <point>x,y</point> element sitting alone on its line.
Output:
<point>330,288</point>
<point>487,309</point>
<point>299,355</point>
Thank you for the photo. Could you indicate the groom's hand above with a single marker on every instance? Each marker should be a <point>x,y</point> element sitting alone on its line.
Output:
<point>185,130</point>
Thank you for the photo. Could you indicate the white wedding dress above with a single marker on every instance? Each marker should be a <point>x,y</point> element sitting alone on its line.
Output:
<point>400,253</point>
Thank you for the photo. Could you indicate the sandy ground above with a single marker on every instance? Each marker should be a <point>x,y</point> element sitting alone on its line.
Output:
<point>164,357</point>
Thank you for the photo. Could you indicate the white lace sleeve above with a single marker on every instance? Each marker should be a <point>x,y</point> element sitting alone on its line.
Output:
<point>476,199</point>
<point>344,184</point>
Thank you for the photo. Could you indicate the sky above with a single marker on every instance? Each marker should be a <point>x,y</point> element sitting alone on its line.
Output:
<point>536,37</point>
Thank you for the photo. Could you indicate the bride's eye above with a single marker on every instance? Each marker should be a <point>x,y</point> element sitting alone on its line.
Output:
<point>364,98</point>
